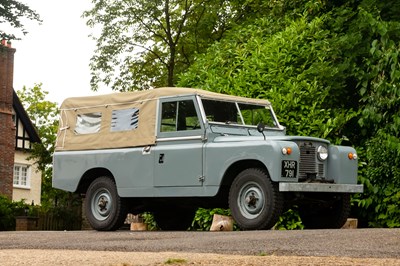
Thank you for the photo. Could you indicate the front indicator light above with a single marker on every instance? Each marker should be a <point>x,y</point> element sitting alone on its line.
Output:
<point>287,151</point>
<point>352,156</point>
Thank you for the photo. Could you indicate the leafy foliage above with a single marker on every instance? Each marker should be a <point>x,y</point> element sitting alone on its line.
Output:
<point>379,205</point>
<point>10,209</point>
<point>281,67</point>
<point>290,220</point>
<point>379,86</point>
<point>331,70</point>
<point>148,218</point>
<point>203,219</point>
<point>44,115</point>
<point>143,44</point>
<point>12,12</point>
<point>7,220</point>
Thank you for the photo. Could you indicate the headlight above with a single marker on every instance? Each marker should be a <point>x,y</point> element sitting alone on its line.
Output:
<point>322,153</point>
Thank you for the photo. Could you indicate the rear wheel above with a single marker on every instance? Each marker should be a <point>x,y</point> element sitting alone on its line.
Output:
<point>330,212</point>
<point>255,201</point>
<point>105,210</point>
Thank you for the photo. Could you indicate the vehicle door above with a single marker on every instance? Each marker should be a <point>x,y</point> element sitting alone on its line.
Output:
<point>179,149</point>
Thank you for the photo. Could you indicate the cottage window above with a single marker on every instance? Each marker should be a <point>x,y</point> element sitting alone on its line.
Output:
<point>22,176</point>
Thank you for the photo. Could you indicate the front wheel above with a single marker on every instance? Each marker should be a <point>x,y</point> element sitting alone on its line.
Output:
<point>255,201</point>
<point>105,210</point>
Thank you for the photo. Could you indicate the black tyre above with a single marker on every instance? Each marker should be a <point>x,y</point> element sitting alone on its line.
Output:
<point>176,219</point>
<point>105,210</point>
<point>255,201</point>
<point>328,213</point>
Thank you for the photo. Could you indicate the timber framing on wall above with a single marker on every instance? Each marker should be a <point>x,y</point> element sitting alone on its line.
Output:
<point>25,131</point>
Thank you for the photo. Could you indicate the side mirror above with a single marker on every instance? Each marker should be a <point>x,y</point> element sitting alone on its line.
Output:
<point>260,127</point>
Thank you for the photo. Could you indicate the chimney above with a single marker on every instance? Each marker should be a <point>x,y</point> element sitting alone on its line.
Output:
<point>7,127</point>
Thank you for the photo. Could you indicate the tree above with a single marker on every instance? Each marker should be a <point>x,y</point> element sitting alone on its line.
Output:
<point>12,12</point>
<point>331,70</point>
<point>143,44</point>
<point>44,115</point>
<point>379,83</point>
<point>287,60</point>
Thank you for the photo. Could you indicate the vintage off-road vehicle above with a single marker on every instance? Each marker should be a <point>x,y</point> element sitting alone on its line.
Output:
<point>172,150</point>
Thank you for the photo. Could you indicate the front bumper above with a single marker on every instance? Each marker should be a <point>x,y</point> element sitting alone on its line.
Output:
<point>320,187</point>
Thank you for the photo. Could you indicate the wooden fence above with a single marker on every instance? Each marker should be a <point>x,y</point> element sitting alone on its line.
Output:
<point>55,222</point>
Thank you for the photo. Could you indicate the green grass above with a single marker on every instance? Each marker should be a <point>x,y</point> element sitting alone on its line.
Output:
<point>175,261</point>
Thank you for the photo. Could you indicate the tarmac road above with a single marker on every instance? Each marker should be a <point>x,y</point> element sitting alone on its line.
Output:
<point>352,243</point>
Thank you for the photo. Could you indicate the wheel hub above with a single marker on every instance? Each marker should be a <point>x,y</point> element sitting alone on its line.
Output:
<point>251,200</point>
<point>103,204</point>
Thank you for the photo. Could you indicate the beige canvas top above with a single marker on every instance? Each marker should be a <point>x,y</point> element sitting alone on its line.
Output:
<point>68,137</point>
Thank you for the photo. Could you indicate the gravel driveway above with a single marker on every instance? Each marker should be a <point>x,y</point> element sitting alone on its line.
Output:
<point>307,247</point>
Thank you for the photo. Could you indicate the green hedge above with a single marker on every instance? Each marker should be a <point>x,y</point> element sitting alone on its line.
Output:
<point>53,218</point>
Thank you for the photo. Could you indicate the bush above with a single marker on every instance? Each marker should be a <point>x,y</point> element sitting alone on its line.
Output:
<point>10,209</point>
<point>148,218</point>
<point>57,217</point>
<point>290,220</point>
<point>7,220</point>
<point>203,219</point>
<point>331,70</point>
<point>379,205</point>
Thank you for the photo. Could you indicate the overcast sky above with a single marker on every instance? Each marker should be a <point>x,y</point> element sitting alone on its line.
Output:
<point>56,53</point>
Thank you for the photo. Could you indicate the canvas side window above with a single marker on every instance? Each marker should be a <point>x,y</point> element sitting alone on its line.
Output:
<point>88,123</point>
<point>179,116</point>
<point>126,119</point>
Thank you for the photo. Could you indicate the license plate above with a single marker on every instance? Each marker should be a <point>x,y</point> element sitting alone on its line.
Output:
<point>289,168</point>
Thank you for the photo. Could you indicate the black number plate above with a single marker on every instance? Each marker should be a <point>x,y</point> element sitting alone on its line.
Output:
<point>289,168</point>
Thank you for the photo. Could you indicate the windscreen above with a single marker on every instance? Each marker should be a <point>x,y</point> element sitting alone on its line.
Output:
<point>254,114</point>
<point>238,113</point>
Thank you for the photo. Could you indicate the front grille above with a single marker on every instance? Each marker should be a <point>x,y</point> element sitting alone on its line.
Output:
<point>320,170</point>
<point>310,168</point>
<point>307,168</point>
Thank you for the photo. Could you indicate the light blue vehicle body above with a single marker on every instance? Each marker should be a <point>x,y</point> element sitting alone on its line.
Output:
<point>198,163</point>
<point>170,151</point>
